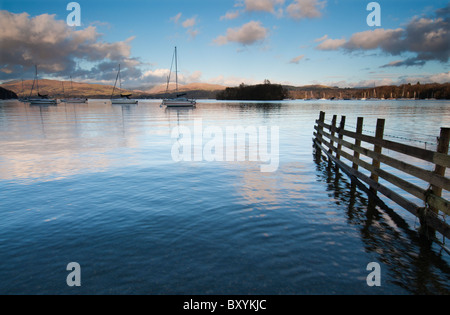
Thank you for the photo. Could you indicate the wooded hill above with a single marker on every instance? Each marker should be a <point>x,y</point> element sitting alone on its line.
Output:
<point>7,94</point>
<point>260,92</point>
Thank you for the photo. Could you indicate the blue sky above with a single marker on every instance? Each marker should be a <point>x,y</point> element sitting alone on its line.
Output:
<point>227,42</point>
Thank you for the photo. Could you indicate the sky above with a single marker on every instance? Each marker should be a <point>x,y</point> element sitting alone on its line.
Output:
<point>227,42</point>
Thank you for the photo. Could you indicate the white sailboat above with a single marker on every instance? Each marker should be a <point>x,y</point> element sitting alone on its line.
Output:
<point>41,99</point>
<point>180,100</point>
<point>125,98</point>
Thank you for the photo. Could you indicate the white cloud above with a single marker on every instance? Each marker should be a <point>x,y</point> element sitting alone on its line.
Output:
<point>232,81</point>
<point>159,77</point>
<point>427,78</point>
<point>297,59</point>
<point>440,78</point>
<point>373,39</point>
<point>230,15</point>
<point>271,6</point>
<point>57,49</point>
<point>262,5</point>
<point>395,63</point>
<point>194,77</point>
<point>302,9</point>
<point>159,73</point>
<point>193,33</point>
<point>189,23</point>
<point>176,18</point>
<point>321,39</point>
<point>424,39</point>
<point>248,34</point>
<point>331,44</point>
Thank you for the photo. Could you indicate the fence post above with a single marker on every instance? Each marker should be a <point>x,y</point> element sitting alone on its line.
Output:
<point>359,129</point>
<point>319,130</point>
<point>443,145</point>
<point>379,134</point>
<point>341,127</point>
<point>332,128</point>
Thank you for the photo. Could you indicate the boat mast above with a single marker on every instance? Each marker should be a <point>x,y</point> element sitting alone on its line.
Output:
<point>34,82</point>
<point>176,68</point>
<point>120,79</point>
<point>37,80</point>
<point>71,86</point>
<point>23,90</point>
<point>115,83</point>
<point>64,93</point>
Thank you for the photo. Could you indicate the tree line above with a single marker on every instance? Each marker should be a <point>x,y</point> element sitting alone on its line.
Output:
<point>260,92</point>
<point>405,91</point>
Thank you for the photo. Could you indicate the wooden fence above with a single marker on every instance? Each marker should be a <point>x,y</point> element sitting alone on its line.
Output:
<point>329,139</point>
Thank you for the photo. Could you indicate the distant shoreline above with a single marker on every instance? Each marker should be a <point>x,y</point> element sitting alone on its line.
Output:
<point>439,91</point>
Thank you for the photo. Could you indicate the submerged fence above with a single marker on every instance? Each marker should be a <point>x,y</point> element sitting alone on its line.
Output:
<point>329,139</point>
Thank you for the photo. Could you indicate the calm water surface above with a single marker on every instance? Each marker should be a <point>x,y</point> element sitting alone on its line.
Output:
<point>96,184</point>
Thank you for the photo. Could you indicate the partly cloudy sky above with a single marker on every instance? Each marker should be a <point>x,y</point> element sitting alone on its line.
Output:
<point>227,42</point>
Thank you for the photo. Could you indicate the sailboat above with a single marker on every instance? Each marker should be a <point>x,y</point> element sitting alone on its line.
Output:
<point>181,100</point>
<point>42,99</point>
<point>125,98</point>
<point>73,100</point>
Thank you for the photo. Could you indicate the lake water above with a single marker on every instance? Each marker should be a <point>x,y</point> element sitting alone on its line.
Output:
<point>98,185</point>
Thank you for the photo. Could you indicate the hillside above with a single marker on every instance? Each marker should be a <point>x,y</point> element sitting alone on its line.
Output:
<point>54,88</point>
<point>7,94</point>
<point>187,87</point>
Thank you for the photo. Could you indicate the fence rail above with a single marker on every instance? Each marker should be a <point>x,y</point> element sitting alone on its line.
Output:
<point>329,138</point>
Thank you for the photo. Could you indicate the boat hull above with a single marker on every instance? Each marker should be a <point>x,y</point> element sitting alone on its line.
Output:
<point>123,102</point>
<point>75,100</point>
<point>179,103</point>
<point>43,102</point>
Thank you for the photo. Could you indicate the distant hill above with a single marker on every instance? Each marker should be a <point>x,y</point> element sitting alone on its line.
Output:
<point>54,88</point>
<point>405,91</point>
<point>187,87</point>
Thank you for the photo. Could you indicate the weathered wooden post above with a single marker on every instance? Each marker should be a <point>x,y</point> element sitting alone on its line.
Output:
<point>341,136</point>
<point>379,134</point>
<point>359,129</point>
<point>332,132</point>
<point>443,145</point>
<point>319,130</point>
